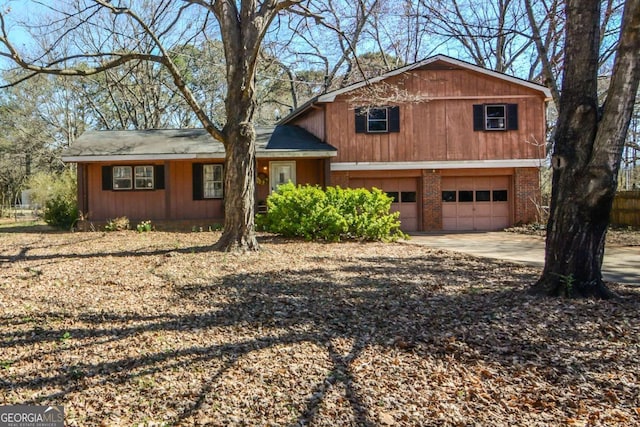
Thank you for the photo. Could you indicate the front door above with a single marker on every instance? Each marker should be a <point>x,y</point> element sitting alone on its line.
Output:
<point>281,173</point>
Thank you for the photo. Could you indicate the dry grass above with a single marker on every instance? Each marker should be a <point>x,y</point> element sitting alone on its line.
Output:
<point>153,329</point>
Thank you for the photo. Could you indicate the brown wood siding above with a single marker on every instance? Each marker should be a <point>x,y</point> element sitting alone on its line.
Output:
<point>182,204</point>
<point>176,201</point>
<point>313,122</point>
<point>108,204</point>
<point>440,126</point>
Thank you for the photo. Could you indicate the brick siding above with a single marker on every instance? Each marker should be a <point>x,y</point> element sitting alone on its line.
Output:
<point>432,201</point>
<point>527,195</point>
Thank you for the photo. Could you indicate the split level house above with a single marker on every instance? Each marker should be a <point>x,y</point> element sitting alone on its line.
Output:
<point>456,146</point>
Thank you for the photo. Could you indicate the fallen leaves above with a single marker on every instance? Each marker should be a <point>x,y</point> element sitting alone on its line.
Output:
<point>152,329</point>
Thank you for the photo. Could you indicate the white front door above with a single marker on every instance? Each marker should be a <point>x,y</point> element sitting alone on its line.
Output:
<point>281,173</point>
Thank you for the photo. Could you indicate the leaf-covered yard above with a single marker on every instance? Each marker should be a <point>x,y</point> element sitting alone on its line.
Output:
<point>153,329</point>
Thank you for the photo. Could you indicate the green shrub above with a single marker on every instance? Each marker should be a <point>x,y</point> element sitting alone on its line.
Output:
<point>57,194</point>
<point>334,214</point>
<point>60,212</point>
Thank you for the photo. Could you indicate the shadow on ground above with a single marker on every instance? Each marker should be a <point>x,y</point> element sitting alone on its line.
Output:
<point>431,306</point>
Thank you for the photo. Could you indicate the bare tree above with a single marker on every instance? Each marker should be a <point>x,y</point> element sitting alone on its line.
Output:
<point>546,19</point>
<point>587,150</point>
<point>491,34</point>
<point>152,30</point>
<point>328,36</point>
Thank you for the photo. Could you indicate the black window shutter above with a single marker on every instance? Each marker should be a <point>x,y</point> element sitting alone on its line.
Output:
<point>394,119</point>
<point>197,182</point>
<point>478,117</point>
<point>158,177</point>
<point>361,120</point>
<point>107,181</point>
<point>512,116</point>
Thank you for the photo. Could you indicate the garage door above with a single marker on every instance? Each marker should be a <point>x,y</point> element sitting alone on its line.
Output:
<point>475,203</point>
<point>404,192</point>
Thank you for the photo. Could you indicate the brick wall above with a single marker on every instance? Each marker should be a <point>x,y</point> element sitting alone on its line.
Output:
<point>526,183</point>
<point>432,202</point>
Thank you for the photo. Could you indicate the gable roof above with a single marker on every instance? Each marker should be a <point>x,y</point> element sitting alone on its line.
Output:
<point>331,96</point>
<point>175,144</point>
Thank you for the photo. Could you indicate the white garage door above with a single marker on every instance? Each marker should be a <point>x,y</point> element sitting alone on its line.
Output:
<point>404,192</point>
<point>475,203</point>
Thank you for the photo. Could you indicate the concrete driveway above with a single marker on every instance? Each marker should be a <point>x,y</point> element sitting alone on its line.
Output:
<point>621,263</point>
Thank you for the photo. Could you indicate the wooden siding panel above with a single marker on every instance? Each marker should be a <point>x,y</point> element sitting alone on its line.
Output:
<point>313,122</point>
<point>440,126</point>
<point>176,201</point>
<point>310,171</point>
<point>438,133</point>
<point>459,128</point>
<point>392,142</point>
<point>108,204</point>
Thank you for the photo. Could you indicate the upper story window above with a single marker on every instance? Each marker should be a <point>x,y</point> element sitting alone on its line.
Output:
<point>144,177</point>
<point>377,119</point>
<point>495,117</point>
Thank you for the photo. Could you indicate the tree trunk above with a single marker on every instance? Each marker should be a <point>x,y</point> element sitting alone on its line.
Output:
<point>587,152</point>
<point>239,184</point>
<point>240,163</point>
<point>575,242</point>
<point>241,35</point>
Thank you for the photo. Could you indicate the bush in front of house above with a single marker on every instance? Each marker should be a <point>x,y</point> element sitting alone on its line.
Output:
<point>332,214</point>
<point>302,211</point>
<point>56,193</point>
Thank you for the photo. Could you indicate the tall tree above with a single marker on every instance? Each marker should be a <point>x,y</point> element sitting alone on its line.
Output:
<point>492,34</point>
<point>35,122</point>
<point>587,150</point>
<point>164,24</point>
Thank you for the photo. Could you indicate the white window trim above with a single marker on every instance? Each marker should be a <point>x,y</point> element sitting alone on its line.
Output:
<point>503,118</point>
<point>113,178</point>
<point>135,178</point>
<point>386,120</point>
<point>214,166</point>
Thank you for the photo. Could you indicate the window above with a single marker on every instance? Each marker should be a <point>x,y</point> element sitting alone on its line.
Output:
<point>408,196</point>
<point>122,178</point>
<point>483,196</point>
<point>212,181</point>
<point>468,196</point>
<point>394,196</point>
<point>377,119</point>
<point>148,177</point>
<point>449,196</point>
<point>144,178</point>
<point>499,195</point>
<point>495,117</point>
<point>465,196</point>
